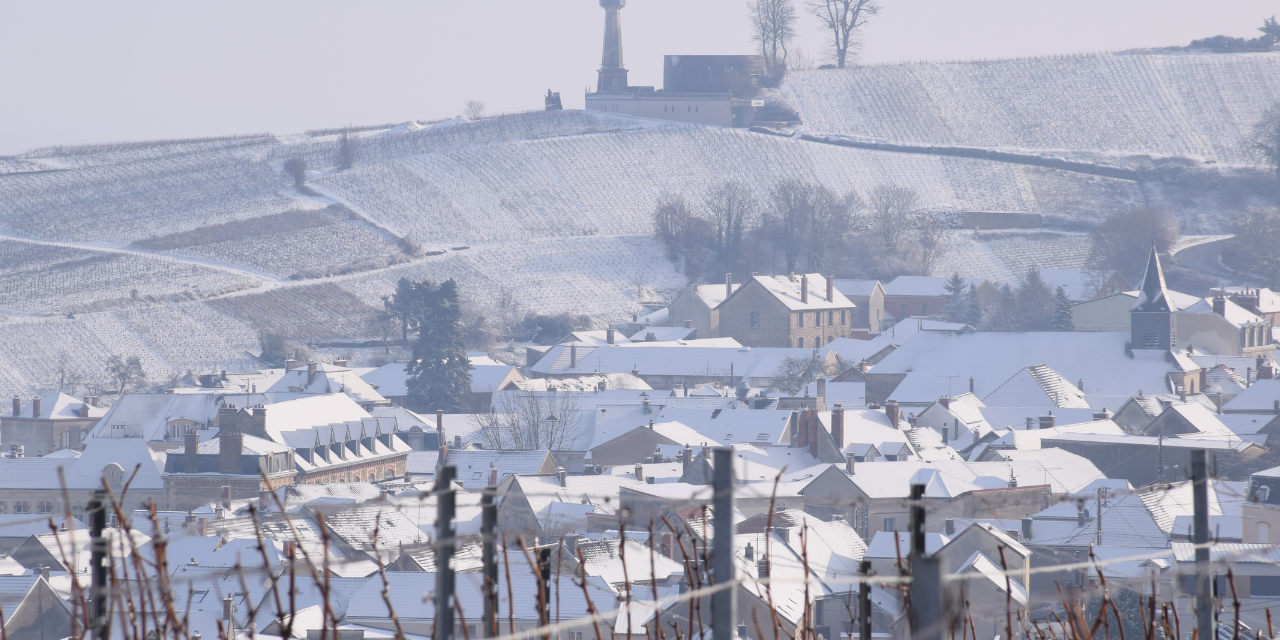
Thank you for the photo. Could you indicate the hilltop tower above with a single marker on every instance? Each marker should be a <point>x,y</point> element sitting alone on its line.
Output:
<point>613,76</point>
<point>1152,323</point>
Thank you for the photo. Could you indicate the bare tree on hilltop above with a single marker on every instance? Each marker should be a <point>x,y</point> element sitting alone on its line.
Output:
<point>474,110</point>
<point>842,18</point>
<point>773,26</point>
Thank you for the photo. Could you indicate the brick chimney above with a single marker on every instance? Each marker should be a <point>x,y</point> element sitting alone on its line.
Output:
<point>728,284</point>
<point>230,443</point>
<point>226,497</point>
<point>573,356</point>
<point>290,364</point>
<point>688,324</point>
<point>1047,422</point>
<point>258,422</point>
<point>1204,378</point>
<point>822,388</point>
<point>190,449</point>
<point>1220,305</point>
<point>892,412</point>
<point>837,426</point>
<point>831,288</point>
<point>493,475</point>
<point>609,334</point>
<point>35,407</point>
<point>804,289</point>
<point>639,472</point>
<point>945,402</point>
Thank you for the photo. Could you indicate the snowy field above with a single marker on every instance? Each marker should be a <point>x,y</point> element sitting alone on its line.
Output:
<point>1199,106</point>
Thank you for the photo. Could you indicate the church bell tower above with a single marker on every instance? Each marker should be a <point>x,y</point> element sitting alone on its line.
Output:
<point>1152,324</point>
<point>613,76</point>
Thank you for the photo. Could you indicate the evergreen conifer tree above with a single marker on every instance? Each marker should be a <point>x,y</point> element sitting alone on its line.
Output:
<point>1062,311</point>
<point>973,308</point>
<point>439,373</point>
<point>956,308</point>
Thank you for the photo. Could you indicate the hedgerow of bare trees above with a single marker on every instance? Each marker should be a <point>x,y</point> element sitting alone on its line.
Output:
<point>843,18</point>
<point>1123,241</point>
<point>773,26</point>
<point>799,225</point>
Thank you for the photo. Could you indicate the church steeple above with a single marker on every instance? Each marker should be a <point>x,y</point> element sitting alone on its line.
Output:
<point>1152,324</point>
<point>1154,295</point>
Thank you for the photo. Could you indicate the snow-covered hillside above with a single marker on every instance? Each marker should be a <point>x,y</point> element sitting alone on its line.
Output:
<point>1199,106</point>
<point>182,252</point>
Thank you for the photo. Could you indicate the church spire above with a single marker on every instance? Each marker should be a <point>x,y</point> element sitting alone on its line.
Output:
<point>1154,295</point>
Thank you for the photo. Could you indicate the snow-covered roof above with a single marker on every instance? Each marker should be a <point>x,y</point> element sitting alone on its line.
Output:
<point>59,406</point>
<point>669,358</point>
<point>932,359</point>
<point>787,290</point>
<point>857,288</point>
<point>663,334</point>
<point>1233,313</point>
<point>328,379</point>
<point>1260,397</point>
<point>1037,386</point>
<point>491,377</point>
<point>389,379</point>
<point>883,545</point>
<point>147,415</point>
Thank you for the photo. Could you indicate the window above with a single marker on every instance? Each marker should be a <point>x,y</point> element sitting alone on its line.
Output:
<point>888,524</point>
<point>817,318</point>
<point>799,343</point>
<point>476,475</point>
<point>44,507</point>
<point>389,473</point>
<point>831,315</point>
<point>755,323</point>
<point>22,507</point>
<point>842,312</point>
<point>801,318</point>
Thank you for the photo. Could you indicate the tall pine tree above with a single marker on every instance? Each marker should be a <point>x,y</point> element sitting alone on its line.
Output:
<point>439,373</point>
<point>974,307</point>
<point>956,308</point>
<point>1062,311</point>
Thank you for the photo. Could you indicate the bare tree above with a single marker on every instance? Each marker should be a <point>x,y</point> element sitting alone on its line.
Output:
<point>842,18</point>
<point>126,374</point>
<point>892,209</point>
<point>1266,138</point>
<point>773,25</point>
<point>532,421</point>
<point>830,220</point>
<point>69,380</point>
<point>733,210</point>
<point>474,110</point>
<point>933,235</point>
<point>790,211</point>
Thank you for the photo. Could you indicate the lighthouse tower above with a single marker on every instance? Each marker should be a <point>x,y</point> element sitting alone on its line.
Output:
<point>613,76</point>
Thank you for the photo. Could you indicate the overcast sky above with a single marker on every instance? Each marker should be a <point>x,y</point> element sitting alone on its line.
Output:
<point>88,71</point>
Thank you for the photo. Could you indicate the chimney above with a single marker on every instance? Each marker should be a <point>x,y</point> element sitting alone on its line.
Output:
<point>202,526</point>
<point>493,475</point>
<point>1182,392</point>
<point>1220,305</point>
<point>190,449</point>
<point>457,442</point>
<point>945,402</point>
<point>1026,528</point>
<point>728,284</point>
<point>609,333</point>
<point>1080,384</point>
<point>226,497</point>
<point>639,472</point>
<point>587,469</point>
<point>560,475</point>
<point>230,442</point>
<point>1204,379</point>
<point>440,425</point>
<point>822,388</point>
<point>831,288</point>
<point>290,364</point>
<point>312,367</point>
<point>848,464</point>
<point>815,430</point>
<point>1102,415</point>
<point>17,406</point>
<point>750,553</point>
<point>685,458</point>
<point>949,526</point>
<point>342,362</point>
<point>573,356</point>
<point>688,324</point>
<point>802,426</point>
<point>970,384</point>
<point>804,289</point>
<point>1047,422</point>
<point>1082,514</point>
<point>264,500</point>
<point>647,406</point>
<point>1275,407</point>
<point>837,426</point>
<point>95,401</point>
<point>891,412</point>
<point>35,407</point>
